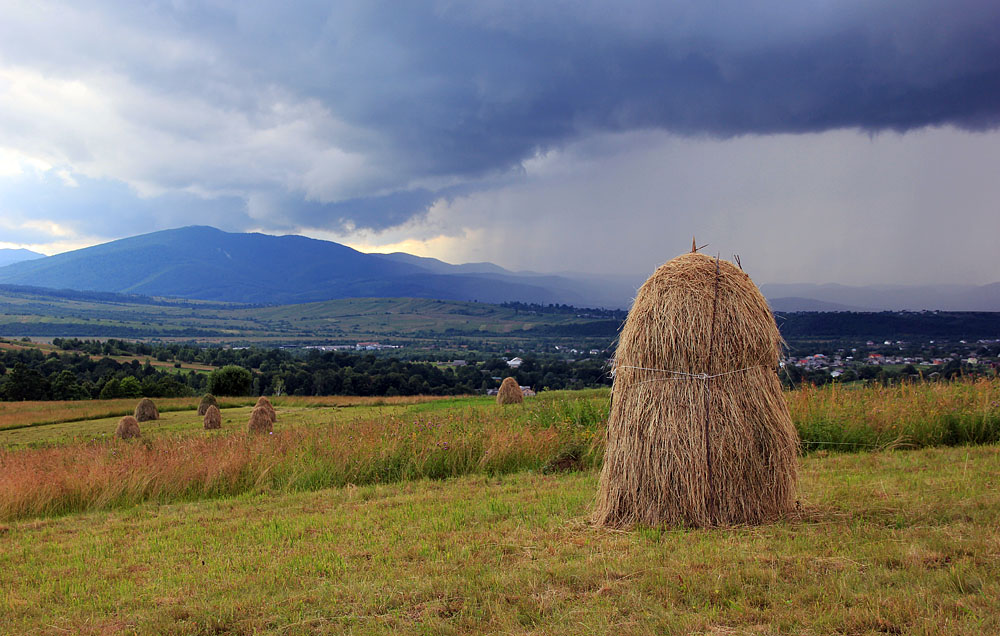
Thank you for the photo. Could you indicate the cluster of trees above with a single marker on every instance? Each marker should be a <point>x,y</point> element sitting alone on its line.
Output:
<point>338,373</point>
<point>590,312</point>
<point>30,374</point>
<point>162,352</point>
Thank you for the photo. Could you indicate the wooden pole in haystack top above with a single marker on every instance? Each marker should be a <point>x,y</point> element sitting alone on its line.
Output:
<point>699,433</point>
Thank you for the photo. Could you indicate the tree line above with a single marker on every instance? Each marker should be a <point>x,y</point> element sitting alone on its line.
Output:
<point>84,370</point>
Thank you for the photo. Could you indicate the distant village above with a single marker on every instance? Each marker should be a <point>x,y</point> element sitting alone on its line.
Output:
<point>931,357</point>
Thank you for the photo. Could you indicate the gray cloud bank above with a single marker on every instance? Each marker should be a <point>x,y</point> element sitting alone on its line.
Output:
<point>363,114</point>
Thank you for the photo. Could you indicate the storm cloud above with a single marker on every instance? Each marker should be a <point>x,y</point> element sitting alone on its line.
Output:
<point>365,115</point>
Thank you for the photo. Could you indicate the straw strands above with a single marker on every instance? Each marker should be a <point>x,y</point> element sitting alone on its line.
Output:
<point>264,403</point>
<point>207,400</point>
<point>145,411</point>
<point>213,417</point>
<point>127,428</point>
<point>699,433</point>
<point>509,392</point>
<point>260,421</point>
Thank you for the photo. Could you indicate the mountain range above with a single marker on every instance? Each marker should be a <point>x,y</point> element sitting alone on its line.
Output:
<point>832,297</point>
<point>8,257</point>
<point>205,263</point>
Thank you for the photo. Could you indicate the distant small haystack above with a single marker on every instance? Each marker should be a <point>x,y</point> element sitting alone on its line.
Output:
<point>510,392</point>
<point>213,418</point>
<point>145,411</point>
<point>265,404</point>
<point>699,433</point>
<point>127,428</point>
<point>206,401</point>
<point>260,421</point>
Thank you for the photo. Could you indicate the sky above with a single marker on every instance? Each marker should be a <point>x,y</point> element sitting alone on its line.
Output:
<point>845,141</point>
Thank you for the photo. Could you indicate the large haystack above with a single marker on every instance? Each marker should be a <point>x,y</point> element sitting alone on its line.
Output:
<point>260,421</point>
<point>128,427</point>
<point>265,404</point>
<point>213,418</point>
<point>207,400</point>
<point>699,433</point>
<point>145,411</point>
<point>510,392</point>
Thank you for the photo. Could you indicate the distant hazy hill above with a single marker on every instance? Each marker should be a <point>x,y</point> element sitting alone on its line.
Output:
<point>886,297</point>
<point>440,267</point>
<point>8,256</point>
<point>206,263</point>
<point>794,303</point>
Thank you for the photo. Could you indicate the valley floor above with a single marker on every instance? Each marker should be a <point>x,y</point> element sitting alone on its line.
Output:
<point>904,542</point>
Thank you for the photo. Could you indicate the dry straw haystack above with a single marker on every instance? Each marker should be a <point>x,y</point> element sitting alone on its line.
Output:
<point>145,411</point>
<point>128,427</point>
<point>207,400</point>
<point>260,421</point>
<point>699,433</point>
<point>265,404</point>
<point>213,418</point>
<point>510,392</point>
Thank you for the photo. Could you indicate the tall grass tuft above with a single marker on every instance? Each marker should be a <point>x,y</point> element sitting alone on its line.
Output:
<point>911,415</point>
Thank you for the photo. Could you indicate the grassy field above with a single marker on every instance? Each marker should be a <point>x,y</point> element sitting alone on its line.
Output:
<point>832,417</point>
<point>73,465</point>
<point>858,417</point>
<point>310,449</point>
<point>58,422</point>
<point>885,543</point>
<point>39,313</point>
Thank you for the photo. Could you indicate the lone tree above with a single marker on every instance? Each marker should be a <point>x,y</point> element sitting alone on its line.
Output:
<point>230,380</point>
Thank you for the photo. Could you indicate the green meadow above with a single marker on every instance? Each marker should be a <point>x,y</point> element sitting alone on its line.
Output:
<point>457,516</point>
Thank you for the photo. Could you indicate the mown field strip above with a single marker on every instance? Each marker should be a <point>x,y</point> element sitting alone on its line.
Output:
<point>898,543</point>
<point>19,415</point>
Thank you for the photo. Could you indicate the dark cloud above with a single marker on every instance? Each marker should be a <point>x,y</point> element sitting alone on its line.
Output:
<point>379,212</point>
<point>470,90</point>
<point>427,95</point>
<point>466,90</point>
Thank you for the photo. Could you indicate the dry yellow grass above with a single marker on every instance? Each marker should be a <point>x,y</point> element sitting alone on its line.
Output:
<point>207,400</point>
<point>145,411</point>
<point>260,421</point>
<point>127,428</point>
<point>510,392</point>
<point>264,403</point>
<point>213,418</point>
<point>699,433</point>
